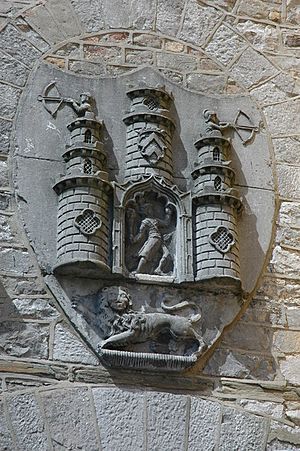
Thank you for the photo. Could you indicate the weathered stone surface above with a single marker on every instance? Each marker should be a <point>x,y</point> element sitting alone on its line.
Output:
<point>288,181</point>
<point>263,37</point>
<point>120,417</point>
<point>64,15</point>
<point>97,53</point>
<point>290,368</point>
<point>41,19</point>
<point>282,87</point>
<point>87,68</point>
<point>293,316</point>
<point>198,22</point>
<point>31,34</point>
<point>168,16</point>
<point>287,341</point>
<point>289,64</point>
<point>213,84</point>
<point>13,43</point>
<point>272,409</point>
<point>24,339</point>
<point>260,9</point>
<point>6,442</point>
<point>138,57</point>
<point>285,261</point>
<point>90,13</point>
<point>293,12</point>
<point>287,150</point>
<point>241,432</point>
<point>229,363</point>
<point>177,61</point>
<point>29,309</point>
<point>9,97</point>
<point>294,416</point>
<point>285,435</point>
<point>289,211</point>
<point>15,261</point>
<point>225,45</point>
<point>204,424</point>
<point>278,445</point>
<point>12,71</point>
<point>166,421</point>
<point>252,68</point>
<point>5,129</point>
<point>8,231</point>
<point>249,336</point>
<point>283,115</point>
<point>27,422</point>
<point>70,419</point>
<point>291,39</point>
<point>68,348</point>
<point>147,40</point>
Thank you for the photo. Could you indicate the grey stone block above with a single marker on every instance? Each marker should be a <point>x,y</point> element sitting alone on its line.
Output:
<point>12,71</point>
<point>15,261</point>
<point>166,424</point>
<point>241,432</point>
<point>70,419</point>
<point>5,129</point>
<point>24,339</point>
<point>120,415</point>
<point>6,442</point>
<point>68,348</point>
<point>204,425</point>
<point>9,97</point>
<point>198,22</point>
<point>12,42</point>
<point>168,16</point>
<point>27,422</point>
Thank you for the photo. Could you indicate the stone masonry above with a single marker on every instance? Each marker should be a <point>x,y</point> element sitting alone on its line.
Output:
<point>54,393</point>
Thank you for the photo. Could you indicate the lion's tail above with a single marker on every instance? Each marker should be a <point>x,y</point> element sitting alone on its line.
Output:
<point>173,308</point>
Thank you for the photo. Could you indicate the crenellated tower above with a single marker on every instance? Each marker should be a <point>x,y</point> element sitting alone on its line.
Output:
<point>83,228</point>
<point>216,206</point>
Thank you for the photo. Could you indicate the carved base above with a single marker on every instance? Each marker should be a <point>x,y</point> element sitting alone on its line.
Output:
<point>155,362</point>
<point>86,268</point>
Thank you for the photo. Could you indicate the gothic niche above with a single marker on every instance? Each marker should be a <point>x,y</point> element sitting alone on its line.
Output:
<point>150,243</point>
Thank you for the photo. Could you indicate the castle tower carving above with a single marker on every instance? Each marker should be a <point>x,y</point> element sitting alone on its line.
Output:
<point>216,206</point>
<point>83,229</point>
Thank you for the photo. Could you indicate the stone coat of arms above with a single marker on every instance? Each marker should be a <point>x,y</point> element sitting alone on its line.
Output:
<point>144,209</point>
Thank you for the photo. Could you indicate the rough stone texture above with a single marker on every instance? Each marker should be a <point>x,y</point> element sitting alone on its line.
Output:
<point>120,417</point>
<point>16,261</point>
<point>29,427</point>
<point>12,71</point>
<point>263,37</point>
<point>68,348</point>
<point>225,45</point>
<point>166,415</point>
<point>70,419</point>
<point>289,181</point>
<point>213,84</point>
<point>41,19</point>
<point>204,425</point>
<point>198,22</point>
<point>272,409</point>
<point>29,309</point>
<point>5,129</point>
<point>290,368</point>
<point>283,115</point>
<point>12,42</point>
<point>251,69</point>
<point>6,442</point>
<point>22,339</point>
<point>260,9</point>
<point>285,261</point>
<point>240,432</point>
<point>9,97</point>
<point>280,88</point>
<point>287,150</point>
<point>168,16</point>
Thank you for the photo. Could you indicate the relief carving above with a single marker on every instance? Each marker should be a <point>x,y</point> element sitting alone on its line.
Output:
<point>151,223</point>
<point>131,327</point>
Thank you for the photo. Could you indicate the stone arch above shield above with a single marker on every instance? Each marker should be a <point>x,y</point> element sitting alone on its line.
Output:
<point>154,203</point>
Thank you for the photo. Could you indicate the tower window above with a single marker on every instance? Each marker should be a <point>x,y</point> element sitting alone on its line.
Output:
<point>87,166</point>
<point>218,183</point>
<point>88,136</point>
<point>216,154</point>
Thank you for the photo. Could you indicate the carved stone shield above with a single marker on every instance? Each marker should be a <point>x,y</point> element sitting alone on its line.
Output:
<point>151,218</point>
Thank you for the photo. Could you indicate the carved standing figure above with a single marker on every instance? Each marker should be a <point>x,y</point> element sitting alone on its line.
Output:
<point>151,235</point>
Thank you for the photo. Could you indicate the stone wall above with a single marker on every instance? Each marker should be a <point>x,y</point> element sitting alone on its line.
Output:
<point>54,393</point>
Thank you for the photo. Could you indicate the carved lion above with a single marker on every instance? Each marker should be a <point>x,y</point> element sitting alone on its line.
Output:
<point>131,327</point>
